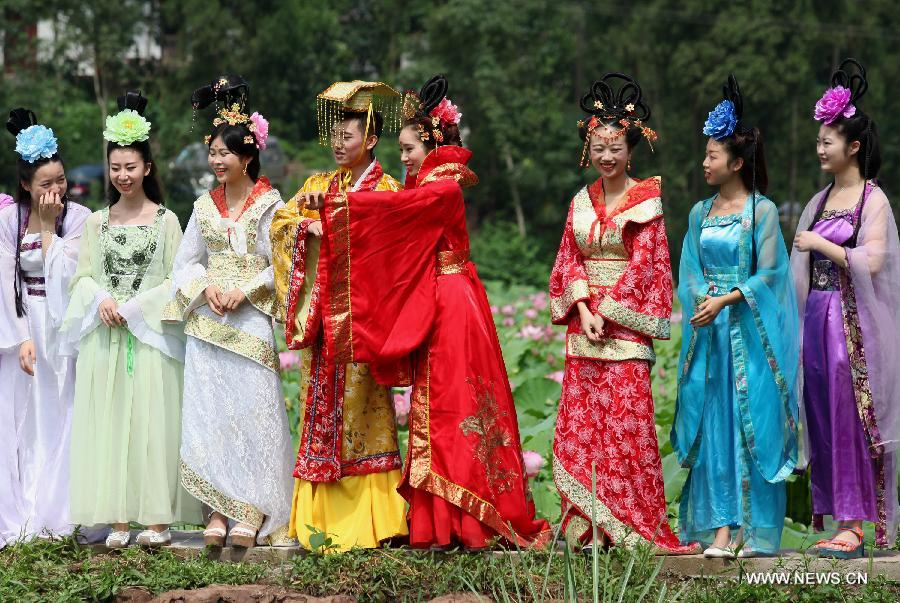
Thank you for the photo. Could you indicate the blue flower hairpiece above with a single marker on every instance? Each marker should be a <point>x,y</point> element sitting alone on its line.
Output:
<point>35,142</point>
<point>721,121</point>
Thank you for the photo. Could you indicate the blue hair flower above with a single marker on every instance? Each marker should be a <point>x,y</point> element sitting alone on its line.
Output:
<point>721,121</point>
<point>35,142</point>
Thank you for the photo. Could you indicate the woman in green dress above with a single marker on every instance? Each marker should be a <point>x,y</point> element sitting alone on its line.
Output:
<point>127,417</point>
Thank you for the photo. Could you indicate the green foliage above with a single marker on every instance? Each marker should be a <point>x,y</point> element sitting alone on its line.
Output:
<point>505,256</point>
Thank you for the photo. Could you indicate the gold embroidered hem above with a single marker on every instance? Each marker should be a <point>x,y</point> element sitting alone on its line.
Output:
<point>232,339</point>
<point>177,309</point>
<point>422,477</point>
<point>579,346</point>
<point>340,315</point>
<point>281,537</point>
<point>206,493</point>
<point>621,533</point>
<point>652,326</point>
<point>604,273</point>
<point>359,511</point>
<point>262,298</point>
<point>561,305</point>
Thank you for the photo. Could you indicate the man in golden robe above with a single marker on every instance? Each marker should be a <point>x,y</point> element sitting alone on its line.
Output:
<point>348,463</point>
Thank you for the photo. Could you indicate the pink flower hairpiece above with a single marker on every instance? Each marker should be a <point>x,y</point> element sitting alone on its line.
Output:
<point>447,112</point>
<point>260,129</point>
<point>834,103</point>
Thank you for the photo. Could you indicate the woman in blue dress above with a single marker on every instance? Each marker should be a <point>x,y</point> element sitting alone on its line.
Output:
<point>736,414</point>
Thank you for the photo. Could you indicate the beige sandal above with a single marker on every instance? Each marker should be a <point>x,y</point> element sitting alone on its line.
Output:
<point>243,537</point>
<point>214,537</point>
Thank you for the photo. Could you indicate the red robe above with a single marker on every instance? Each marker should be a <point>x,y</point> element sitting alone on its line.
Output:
<point>402,292</point>
<point>617,264</point>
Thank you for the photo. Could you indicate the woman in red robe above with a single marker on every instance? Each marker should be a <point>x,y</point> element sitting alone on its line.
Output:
<point>401,294</point>
<point>612,286</point>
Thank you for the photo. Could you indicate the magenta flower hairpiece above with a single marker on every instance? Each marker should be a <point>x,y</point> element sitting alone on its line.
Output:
<point>260,130</point>
<point>834,103</point>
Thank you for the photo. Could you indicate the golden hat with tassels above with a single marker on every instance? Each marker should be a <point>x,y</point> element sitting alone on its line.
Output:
<point>356,97</point>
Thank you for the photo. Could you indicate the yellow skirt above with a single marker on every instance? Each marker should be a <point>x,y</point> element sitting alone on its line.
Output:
<point>357,511</point>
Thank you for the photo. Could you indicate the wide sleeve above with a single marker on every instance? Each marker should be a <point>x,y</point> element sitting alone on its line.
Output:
<point>295,254</point>
<point>770,336</point>
<point>13,328</point>
<point>188,274</point>
<point>61,262</point>
<point>86,291</point>
<point>568,279</point>
<point>260,290</point>
<point>144,312</point>
<point>641,300</point>
<point>379,257</point>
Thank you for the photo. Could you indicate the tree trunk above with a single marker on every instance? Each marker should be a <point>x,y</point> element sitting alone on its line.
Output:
<point>514,191</point>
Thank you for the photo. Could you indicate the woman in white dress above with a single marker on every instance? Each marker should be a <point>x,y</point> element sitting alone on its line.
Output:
<point>39,238</point>
<point>236,446</point>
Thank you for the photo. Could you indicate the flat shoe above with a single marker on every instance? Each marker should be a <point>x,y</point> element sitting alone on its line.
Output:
<point>151,538</point>
<point>118,540</point>
<point>715,552</point>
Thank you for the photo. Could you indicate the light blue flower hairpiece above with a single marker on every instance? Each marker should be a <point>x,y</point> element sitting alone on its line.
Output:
<point>721,121</point>
<point>35,142</point>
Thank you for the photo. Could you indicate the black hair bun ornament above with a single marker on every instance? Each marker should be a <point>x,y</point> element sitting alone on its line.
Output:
<point>132,99</point>
<point>432,93</point>
<point>20,119</point>
<point>851,75</point>
<point>226,89</point>
<point>615,97</point>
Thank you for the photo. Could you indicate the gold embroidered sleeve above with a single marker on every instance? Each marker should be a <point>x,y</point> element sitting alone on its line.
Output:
<point>652,326</point>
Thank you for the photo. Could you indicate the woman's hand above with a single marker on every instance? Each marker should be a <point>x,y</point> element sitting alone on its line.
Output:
<point>315,228</point>
<point>27,357</point>
<point>807,240</point>
<point>49,207</point>
<point>109,313</point>
<point>591,324</point>
<point>707,311</point>
<point>214,299</point>
<point>233,299</point>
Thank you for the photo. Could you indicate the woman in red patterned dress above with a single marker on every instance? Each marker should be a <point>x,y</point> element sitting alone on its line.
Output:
<point>612,286</point>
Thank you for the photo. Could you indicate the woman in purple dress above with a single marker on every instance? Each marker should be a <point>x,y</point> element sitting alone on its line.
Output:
<point>846,266</point>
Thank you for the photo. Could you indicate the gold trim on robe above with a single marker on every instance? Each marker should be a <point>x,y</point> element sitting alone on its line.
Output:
<point>578,345</point>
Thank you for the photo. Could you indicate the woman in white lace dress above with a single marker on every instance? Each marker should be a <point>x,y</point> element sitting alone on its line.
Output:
<point>236,446</point>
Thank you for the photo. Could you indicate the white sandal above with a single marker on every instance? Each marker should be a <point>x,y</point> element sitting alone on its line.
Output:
<point>716,552</point>
<point>118,540</point>
<point>152,538</point>
<point>214,537</point>
<point>243,537</point>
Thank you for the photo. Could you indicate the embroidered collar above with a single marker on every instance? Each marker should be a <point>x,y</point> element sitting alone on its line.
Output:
<point>261,187</point>
<point>445,163</point>
<point>648,188</point>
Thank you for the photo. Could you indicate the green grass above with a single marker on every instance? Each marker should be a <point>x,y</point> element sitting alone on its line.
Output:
<point>63,571</point>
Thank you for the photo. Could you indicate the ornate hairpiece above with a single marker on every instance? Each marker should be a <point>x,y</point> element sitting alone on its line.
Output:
<point>607,106</point>
<point>126,127</point>
<point>431,102</point>
<point>36,142</point>
<point>726,118</point>
<point>357,96</point>
<point>846,89</point>
<point>232,91</point>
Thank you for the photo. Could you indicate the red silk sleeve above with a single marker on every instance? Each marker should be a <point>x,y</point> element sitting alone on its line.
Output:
<point>380,254</point>
<point>568,280</point>
<point>641,300</point>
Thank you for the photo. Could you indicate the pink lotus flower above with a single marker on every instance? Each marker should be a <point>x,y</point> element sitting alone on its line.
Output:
<point>289,359</point>
<point>551,359</point>
<point>533,463</point>
<point>556,376</point>
<point>494,310</point>
<point>508,310</point>
<point>509,322</point>
<point>676,316</point>
<point>5,200</point>
<point>833,104</point>
<point>261,130</point>
<point>401,405</point>
<point>531,313</point>
<point>447,112</point>
<point>539,301</point>
<point>531,332</point>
